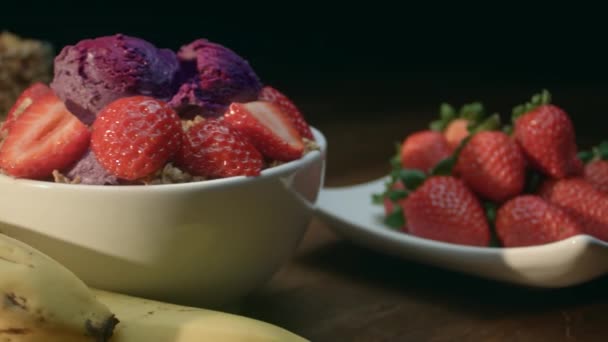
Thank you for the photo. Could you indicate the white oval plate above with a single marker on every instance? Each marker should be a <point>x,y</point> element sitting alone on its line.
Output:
<point>350,212</point>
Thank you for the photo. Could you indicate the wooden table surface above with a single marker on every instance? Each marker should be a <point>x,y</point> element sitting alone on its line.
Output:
<point>333,290</point>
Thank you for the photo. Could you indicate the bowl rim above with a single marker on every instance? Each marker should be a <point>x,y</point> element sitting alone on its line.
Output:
<point>269,173</point>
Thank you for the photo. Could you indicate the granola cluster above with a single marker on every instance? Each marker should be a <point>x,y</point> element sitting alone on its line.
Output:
<point>22,62</point>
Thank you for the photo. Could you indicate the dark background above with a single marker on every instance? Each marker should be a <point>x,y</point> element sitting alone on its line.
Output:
<point>375,63</point>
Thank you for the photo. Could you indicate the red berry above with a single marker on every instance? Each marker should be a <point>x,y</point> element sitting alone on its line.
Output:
<point>134,137</point>
<point>577,168</point>
<point>44,137</point>
<point>492,165</point>
<point>444,209</point>
<point>547,138</point>
<point>530,220</point>
<point>423,150</point>
<point>27,97</point>
<point>213,149</point>
<point>271,94</point>
<point>267,128</point>
<point>596,173</point>
<point>582,201</point>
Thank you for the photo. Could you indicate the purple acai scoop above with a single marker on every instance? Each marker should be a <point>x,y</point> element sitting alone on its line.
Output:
<point>91,172</point>
<point>211,77</point>
<point>95,72</point>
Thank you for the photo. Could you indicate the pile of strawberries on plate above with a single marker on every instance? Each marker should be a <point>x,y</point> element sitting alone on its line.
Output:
<point>470,180</point>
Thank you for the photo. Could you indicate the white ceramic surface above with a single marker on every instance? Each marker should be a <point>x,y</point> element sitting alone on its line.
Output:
<point>351,213</point>
<point>205,243</point>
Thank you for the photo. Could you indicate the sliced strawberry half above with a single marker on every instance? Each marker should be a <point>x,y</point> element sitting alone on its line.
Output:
<point>27,97</point>
<point>45,137</point>
<point>271,94</point>
<point>267,128</point>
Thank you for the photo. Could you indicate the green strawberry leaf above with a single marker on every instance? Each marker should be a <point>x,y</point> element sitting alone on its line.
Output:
<point>585,156</point>
<point>395,163</point>
<point>447,113</point>
<point>472,112</point>
<point>492,123</point>
<point>397,194</point>
<point>411,178</point>
<point>438,125</point>
<point>396,219</point>
<point>491,209</point>
<point>602,150</point>
<point>542,98</point>
<point>378,198</point>
<point>599,152</point>
<point>444,167</point>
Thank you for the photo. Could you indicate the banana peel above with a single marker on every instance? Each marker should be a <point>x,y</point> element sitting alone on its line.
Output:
<point>41,300</point>
<point>152,321</point>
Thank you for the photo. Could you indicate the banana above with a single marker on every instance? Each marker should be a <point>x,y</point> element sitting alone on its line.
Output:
<point>40,300</point>
<point>152,321</point>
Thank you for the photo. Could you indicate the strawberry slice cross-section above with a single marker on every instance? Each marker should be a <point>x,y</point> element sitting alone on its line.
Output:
<point>267,128</point>
<point>273,95</point>
<point>27,97</point>
<point>43,138</point>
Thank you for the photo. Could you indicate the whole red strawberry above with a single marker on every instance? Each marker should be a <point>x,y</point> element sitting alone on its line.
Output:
<point>271,94</point>
<point>213,149</point>
<point>582,201</point>
<point>546,135</point>
<point>134,137</point>
<point>529,220</point>
<point>492,165</point>
<point>444,209</point>
<point>423,150</point>
<point>596,173</point>
<point>42,138</point>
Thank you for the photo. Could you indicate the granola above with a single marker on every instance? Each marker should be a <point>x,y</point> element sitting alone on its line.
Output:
<point>22,62</point>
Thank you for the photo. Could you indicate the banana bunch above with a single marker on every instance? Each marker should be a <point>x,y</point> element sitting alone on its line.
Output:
<point>42,301</point>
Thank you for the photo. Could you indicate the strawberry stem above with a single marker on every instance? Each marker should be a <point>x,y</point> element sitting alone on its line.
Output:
<point>542,98</point>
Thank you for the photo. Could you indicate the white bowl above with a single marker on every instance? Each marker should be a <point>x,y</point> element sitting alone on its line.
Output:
<point>205,243</point>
